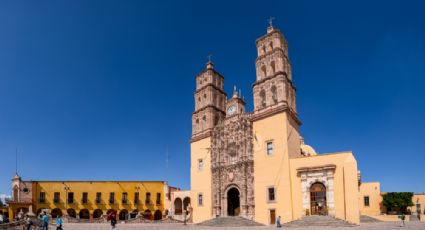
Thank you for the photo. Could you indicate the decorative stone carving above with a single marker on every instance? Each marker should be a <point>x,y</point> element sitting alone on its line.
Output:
<point>232,164</point>
<point>322,174</point>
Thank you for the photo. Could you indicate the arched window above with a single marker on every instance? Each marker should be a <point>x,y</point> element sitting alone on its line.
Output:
<point>263,98</point>
<point>264,49</point>
<point>274,94</point>
<point>263,71</point>
<point>271,45</point>
<point>273,66</point>
<point>204,121</point>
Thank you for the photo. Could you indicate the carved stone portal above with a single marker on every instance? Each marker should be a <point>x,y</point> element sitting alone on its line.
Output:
<point>324,175</point>
<point>233,168</point>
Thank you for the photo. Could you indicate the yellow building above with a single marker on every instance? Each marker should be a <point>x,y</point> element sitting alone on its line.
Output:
<point>255,164</point>
<point>90,199</point>
<point>371,199</point>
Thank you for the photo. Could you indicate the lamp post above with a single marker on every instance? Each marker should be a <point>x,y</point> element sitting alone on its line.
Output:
<point>67,188</point>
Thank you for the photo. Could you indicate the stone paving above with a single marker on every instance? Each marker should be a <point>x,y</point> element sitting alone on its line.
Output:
<point>374,226</point>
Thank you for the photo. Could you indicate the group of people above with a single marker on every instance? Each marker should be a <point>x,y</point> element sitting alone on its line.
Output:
<point>44,222</point>
<point>3,219</point>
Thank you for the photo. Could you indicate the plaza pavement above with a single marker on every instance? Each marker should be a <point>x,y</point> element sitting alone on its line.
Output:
<point>373,226</point>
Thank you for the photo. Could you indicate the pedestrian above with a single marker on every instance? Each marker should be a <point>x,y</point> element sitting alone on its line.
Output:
<point>113,218</point>
<point>28,222</point>
<point>45,221</point>
<point>402,217</point>
<point>59,222</point>
<point>1,218</point>
<point>278,222</point>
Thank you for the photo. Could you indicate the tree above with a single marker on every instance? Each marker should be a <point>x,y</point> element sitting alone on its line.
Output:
<point>397,201</point>
<point>1,203</point>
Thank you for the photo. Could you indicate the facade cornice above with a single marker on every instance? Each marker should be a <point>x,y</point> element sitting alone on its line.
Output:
<point>273,76</point>
<point>200,136</point>
<point>267,112</point>
<point>316,168</point>
<point>268,53</point>
<point>209,106</point>
<point>212,85</point>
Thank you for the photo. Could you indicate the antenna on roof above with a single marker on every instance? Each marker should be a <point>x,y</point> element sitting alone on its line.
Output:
<point>16,161</point>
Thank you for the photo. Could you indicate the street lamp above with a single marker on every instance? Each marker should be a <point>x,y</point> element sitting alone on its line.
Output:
<point>67,188</point>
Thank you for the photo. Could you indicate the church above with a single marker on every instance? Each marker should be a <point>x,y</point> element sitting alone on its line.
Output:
<point>255,164</point>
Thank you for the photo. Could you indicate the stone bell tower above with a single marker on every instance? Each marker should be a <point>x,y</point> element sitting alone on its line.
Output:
<point>273,87</point>
<point>210,101</point>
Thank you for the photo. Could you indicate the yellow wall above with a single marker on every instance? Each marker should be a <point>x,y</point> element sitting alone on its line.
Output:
<point>200,181</point>
<point>418,199</point>
<point>273,170</point>
<point>105,187</point>
<point>373,190</point>
<point>345,183</point>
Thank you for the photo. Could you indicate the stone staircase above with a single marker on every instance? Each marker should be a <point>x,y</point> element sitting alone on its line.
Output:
<point>229,222</point>
<point>368,219</point>
<point>317,221</point>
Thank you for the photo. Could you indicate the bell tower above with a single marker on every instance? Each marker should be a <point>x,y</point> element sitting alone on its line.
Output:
<point>210,101</point>
<point>210,105</point>
<point>273,88</point>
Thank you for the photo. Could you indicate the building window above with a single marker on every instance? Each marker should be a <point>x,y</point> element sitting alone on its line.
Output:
<point>200,164</point>
<point>124,198</point>
<point>70,197</point>
<point>56,197</point>
<point>148,198</point>
<point>136,198</point>
<point>366,201</point>
<point>263,98</point>
<point>269,148</point>
<point>271,194</point>
<point>233,157</point>
<point>264,71</point>
<point>158,198</point>
<point>98,197</point>
<point>111,198</point>
<point>273,67</point>
<point>274,94</point>
<point>42,197</point>
<point>85,198</point>
<point>200,199</point>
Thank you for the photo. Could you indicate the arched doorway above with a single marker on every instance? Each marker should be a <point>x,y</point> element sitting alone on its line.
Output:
<point>134,213</point>
<point>233,202</point>
<point>123,214</point>
<point>84,214</point>
<point>318,199</point>
<point>178,206</point>
<point>71,212</point>
<point>55,213</point>
<point>186,202</point>
<point>147,214</point>
<point>157,215</point>
<point>97,213</point>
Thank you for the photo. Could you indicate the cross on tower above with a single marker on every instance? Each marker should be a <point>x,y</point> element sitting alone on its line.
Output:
<point>209,57</point>
<point>270,20</point>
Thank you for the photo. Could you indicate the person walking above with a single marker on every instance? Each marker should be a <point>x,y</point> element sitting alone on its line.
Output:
<point>45,221</point>
<point>59,223</point>
<point>278,225</point>
<point>28,222</point>
<point>402,217</point>
<point>113,218</point>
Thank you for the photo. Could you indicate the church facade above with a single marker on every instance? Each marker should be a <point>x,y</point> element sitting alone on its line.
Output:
<point>256,164</point>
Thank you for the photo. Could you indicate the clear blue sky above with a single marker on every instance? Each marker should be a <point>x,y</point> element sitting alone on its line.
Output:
<point>98,90</point>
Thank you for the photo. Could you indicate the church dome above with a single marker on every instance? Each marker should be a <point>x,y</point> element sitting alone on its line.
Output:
<point>307,150</point>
